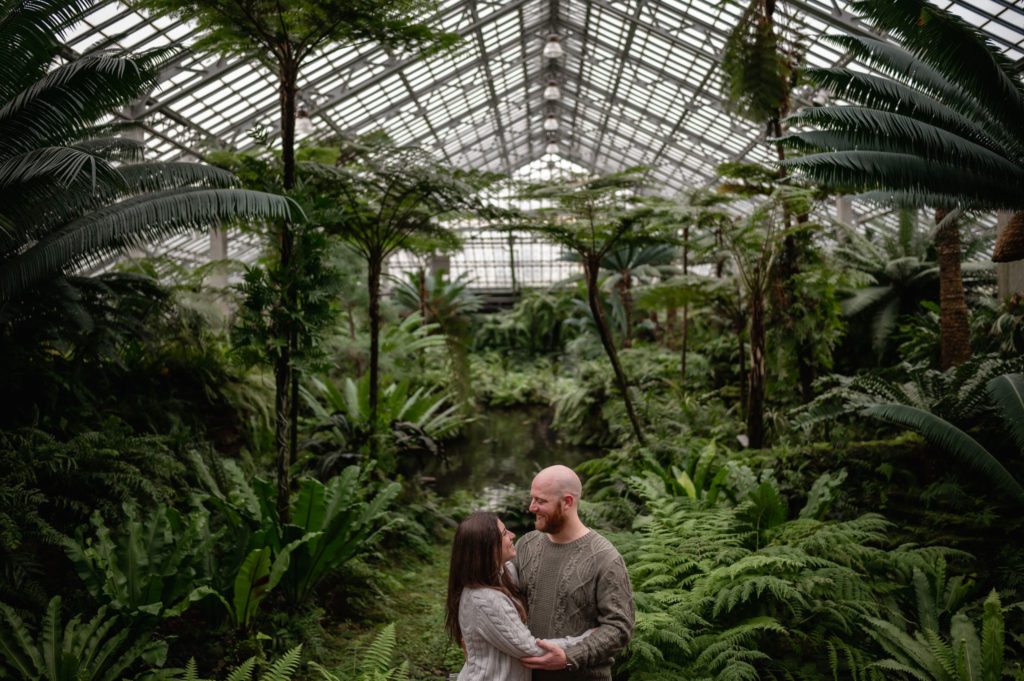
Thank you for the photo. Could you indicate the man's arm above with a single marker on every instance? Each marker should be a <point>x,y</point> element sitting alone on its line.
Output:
<point>615,617</point>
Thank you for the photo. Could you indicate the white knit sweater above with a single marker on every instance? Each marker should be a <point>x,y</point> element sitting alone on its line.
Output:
<point>496,638</point>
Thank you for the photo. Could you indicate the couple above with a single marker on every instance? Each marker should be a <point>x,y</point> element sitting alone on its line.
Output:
<point>557,601</point>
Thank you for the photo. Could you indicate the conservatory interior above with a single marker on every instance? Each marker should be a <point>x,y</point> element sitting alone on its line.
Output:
<point>291,288</point>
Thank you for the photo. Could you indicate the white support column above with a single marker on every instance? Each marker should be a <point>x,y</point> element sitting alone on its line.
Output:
<point>1009,275</point>
<point>844,210</point>
<point>218,251</point>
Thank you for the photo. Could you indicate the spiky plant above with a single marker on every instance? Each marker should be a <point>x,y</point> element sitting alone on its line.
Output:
<point>938,125</point>
<point>71,187</point>
<point>1007,392</point>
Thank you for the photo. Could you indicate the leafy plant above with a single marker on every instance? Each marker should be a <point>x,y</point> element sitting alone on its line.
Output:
<point>1007,392</point>
<point>375,662</point>
<point>743,592</point>
<point>98,649</point>
<point>331,524</point>
<point>417,420</point>
<point>926,655</point>
<point>147,568</point>
<point>282,669</point>
<point>259,573</point>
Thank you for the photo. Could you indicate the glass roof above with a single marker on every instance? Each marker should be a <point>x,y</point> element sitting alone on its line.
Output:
<point>639,83</point>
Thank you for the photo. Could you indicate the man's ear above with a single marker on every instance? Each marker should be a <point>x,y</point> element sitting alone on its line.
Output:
<point>569,500</point>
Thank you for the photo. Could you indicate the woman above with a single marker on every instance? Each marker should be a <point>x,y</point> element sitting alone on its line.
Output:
<point>485,608</point>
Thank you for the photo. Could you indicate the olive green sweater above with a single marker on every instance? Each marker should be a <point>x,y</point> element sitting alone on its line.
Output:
<point>570,588</point>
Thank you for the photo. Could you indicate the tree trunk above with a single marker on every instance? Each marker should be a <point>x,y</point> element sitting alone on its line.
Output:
<point>755,394</point>
<point>623,288</point>
<point>954,338</point>
<point>285,388</point>
<point>288,90</point>
<point>591,266</point>
<point>374,271</point>
<point>686,308</point>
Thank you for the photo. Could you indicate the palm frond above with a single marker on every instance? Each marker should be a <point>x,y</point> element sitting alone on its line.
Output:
<point>1007,392</point>
<point>865,129</point>
<point>951,440</point>
<point>956,48</point>
<point>913,176</point>
<point>129,223</point>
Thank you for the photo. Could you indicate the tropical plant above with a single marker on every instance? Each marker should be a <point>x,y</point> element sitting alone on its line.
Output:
<point>591,217</point>
<point>438,299</point>
<point>937,126</point>
<point>1007,392</point>
<point>72,188</point>
<point>386,196</point>
<point>281,669</point>
<point>375,663</point>
<point>330,522</point>
<point>753,244</point>
<point>257,576</point>
<point>97,649</point>
<point>535,325</point>
<point>743,592</point>
<point>926,655</point>
<point>281,40</point>
<point>149,567</point>
<point>417,420</point>
<point>49,486</point>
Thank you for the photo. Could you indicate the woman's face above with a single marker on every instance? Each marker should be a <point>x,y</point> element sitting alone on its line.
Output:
<point>508,547</point>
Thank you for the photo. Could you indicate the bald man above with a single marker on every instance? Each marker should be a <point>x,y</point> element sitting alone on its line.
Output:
<point>574,580</point>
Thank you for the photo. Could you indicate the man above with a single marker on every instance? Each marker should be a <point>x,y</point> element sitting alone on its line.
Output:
<point>573,580</point>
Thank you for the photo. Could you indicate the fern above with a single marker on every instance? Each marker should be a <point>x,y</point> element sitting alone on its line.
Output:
<point>719,597</point>
<point>375,662</point>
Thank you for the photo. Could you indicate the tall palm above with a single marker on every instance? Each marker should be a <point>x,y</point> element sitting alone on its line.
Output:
<point>939,125</point>
<point>72,189</point>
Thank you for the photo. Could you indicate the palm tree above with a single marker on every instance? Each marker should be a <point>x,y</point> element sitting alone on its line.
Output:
<point>939,126</point>
<point>70,189</point>
<point>1007,392</point>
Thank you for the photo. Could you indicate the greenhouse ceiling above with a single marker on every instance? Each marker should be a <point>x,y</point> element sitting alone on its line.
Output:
<point>638,82</point>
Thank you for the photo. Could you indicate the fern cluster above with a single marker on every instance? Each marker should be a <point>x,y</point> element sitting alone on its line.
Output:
<point>49,487</point>
<point>739,593</point>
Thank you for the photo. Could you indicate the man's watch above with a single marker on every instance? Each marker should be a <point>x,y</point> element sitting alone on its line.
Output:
<point>570,666</point>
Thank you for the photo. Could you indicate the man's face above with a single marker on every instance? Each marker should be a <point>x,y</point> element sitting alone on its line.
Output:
<point>546,505</point>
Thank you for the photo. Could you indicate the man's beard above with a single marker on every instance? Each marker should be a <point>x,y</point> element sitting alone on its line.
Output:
<point>553,522</point>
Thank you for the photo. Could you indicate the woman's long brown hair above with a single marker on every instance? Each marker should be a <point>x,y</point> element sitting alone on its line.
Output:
<point>476,563</point>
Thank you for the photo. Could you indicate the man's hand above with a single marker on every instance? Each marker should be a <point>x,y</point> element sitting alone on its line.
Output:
<point>554,658</point>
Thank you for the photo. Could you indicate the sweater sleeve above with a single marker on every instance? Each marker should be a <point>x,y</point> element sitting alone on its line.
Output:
<point>499,624</point>
<point>615,617</point>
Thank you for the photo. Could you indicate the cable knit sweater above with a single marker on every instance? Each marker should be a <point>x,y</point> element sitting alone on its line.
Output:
<point>571,588</point>
<point>496,638</point>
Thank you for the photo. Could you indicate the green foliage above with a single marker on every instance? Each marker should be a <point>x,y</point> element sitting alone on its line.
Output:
<point>375,661</point>
<point>961,656</point>
<point>437,298</point>
<point>938,127</point>
<point>758,71</point>
<point>333,523</point>
<point>148,567</point>
<point>48,487</point>
<point>282,669</point>
<point>330,523</point>
<point>535,325</point>
<point>97,649</point>
<point>742,592</point>
<point>1007,391</point>
<point>418,420</point>
<point>72,187</point>
<point>957,395</point>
